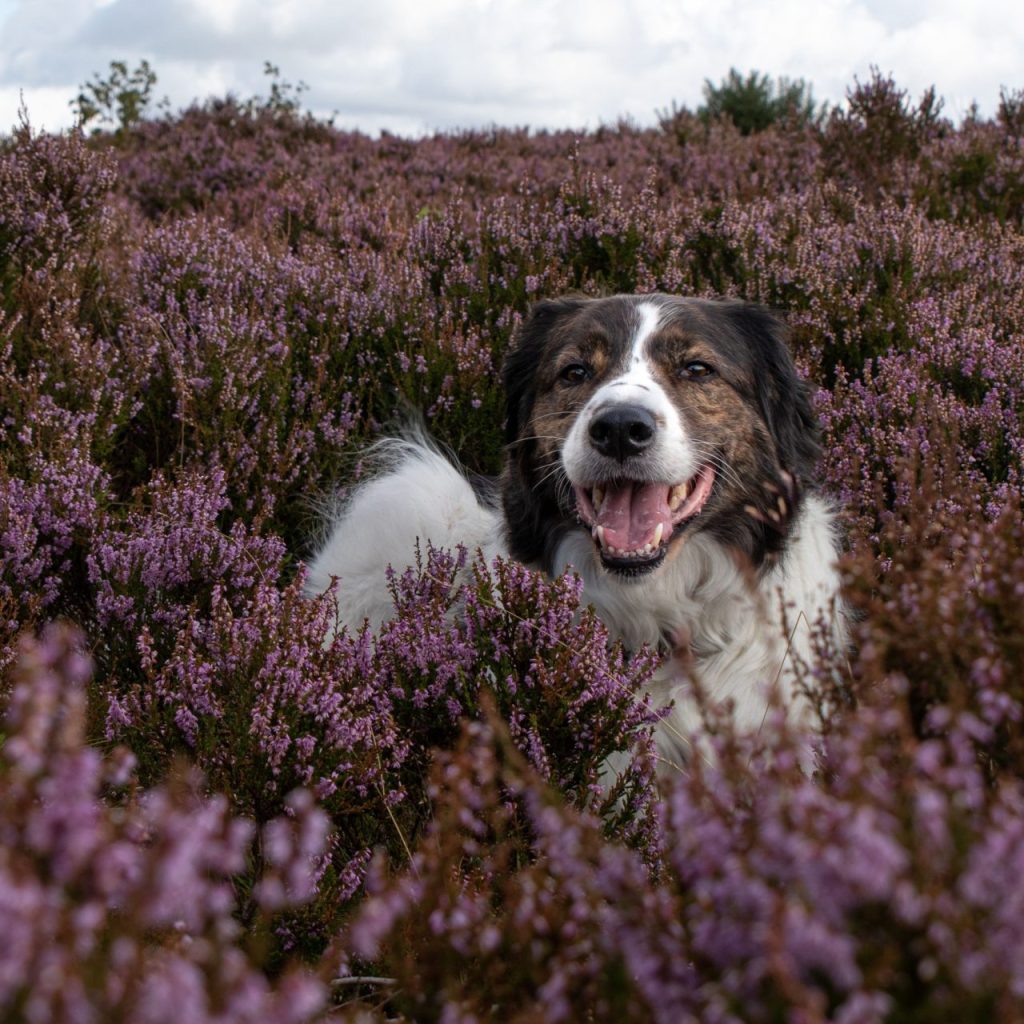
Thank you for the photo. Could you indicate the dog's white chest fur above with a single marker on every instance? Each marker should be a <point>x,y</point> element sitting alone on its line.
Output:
<point>740,636</point>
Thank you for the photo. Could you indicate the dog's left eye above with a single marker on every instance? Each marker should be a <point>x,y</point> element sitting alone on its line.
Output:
<point>575,373</point>
<point>696,370</point>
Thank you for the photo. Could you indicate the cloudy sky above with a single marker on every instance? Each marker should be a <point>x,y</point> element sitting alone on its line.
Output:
<point>413,66</point>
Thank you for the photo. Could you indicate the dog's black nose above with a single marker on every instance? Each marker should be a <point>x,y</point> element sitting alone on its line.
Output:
<point>622,430</point>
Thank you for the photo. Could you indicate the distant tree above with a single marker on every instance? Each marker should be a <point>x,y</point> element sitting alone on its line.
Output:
<point>757,101</point>
<point>119,101</point>
<point>285,99</point>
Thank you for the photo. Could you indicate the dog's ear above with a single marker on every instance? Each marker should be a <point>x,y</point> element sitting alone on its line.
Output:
<point>519,374</point>
<point>782,396</point>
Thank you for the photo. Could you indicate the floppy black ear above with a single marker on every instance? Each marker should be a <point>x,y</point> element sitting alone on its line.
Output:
<point>519,374</point>
<point>782,395</point>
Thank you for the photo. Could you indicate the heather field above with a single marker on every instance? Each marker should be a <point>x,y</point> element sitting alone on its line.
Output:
<point>212,811</point>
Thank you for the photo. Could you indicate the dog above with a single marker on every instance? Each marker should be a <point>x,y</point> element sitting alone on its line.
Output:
<point>664,448</point>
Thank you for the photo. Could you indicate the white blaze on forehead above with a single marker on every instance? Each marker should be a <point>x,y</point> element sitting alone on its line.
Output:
<point>649,316</point>
<point>637,370</point>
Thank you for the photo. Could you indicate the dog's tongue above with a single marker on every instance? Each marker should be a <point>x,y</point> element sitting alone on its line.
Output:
<point>630,513</point>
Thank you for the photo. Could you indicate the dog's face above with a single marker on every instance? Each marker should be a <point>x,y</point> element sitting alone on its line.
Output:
<point>646,418</point>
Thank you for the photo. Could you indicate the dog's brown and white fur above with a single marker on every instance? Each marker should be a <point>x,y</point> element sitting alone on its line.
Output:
<point>663,448</point>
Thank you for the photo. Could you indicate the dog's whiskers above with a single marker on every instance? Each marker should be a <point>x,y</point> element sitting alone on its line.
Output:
<point>534,437</point>
<point>705,450</point>
<point>550,471</point>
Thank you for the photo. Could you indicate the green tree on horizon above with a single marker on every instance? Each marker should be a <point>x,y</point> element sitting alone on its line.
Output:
<point>757,101</point>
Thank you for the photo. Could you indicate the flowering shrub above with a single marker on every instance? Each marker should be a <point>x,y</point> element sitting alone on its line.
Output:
<point>880,888</point>
<point>118,902</point>
<point>238,814</point>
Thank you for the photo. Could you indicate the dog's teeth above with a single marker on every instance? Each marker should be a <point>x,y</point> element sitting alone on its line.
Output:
<point>598,498</point>
<point>658,531</point>
<point>679,494</point>
<point>599,534</point>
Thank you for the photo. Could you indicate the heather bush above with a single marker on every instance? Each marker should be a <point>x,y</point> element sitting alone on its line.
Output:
<point>955,566</point>
<point>879,128</point>
<point>118,902</point>
<point>867,895</point>
<point>250,681</point>
<point>240,813</point>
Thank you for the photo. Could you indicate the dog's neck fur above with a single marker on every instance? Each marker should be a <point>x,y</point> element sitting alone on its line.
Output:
<point>740,635</point>
<point>740,632</point>
<point>670,608</point>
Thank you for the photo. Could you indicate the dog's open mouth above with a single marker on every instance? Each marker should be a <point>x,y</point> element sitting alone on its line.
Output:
<point>632,521</point>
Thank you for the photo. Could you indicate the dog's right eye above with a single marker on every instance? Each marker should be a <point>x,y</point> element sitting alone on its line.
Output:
<point>575,373</point>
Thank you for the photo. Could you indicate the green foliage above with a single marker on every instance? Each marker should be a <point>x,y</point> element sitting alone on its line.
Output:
<point>119,101</point>
<point>757,102</point>
<point>285,99</point>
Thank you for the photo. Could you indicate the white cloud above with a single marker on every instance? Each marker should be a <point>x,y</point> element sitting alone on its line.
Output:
<point>412,66</point>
